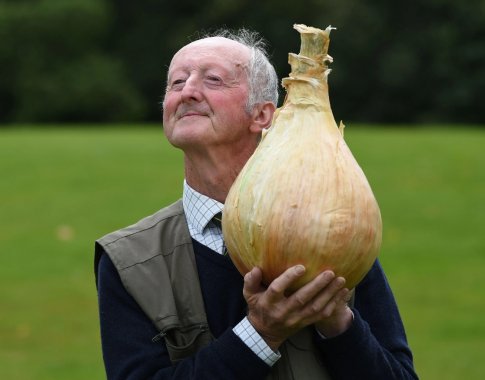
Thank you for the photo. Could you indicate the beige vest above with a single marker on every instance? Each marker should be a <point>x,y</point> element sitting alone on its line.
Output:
<point>156,263</point>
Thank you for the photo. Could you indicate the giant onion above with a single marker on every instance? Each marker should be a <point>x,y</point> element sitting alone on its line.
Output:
<point>302,198</point>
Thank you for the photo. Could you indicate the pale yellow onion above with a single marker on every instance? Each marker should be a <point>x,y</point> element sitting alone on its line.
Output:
<point>302,197</point>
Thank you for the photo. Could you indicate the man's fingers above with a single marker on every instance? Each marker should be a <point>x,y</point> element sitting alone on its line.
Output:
<point>277,288</point>
<point>320,297</point>
<point>311,290</point>
<point>326,308</point>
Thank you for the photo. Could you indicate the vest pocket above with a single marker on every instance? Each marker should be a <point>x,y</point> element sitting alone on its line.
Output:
<point>182,343</point>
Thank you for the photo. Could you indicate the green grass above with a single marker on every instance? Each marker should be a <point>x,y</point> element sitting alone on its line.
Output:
<point>61,188</point>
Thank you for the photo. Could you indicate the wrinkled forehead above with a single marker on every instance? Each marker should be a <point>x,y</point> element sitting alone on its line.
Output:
<point>218,49</point>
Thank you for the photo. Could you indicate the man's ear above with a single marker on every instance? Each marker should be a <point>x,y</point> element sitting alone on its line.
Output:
<point>262,115</point>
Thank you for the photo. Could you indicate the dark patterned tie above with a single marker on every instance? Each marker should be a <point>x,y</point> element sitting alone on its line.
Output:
<point>217,220</point>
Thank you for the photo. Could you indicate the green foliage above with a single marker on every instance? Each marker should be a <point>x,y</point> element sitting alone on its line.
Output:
<point>86,89</point>
<point>53,53</point>
<point>62,188</point>
<point>395,61</point>
<point>398,61</point>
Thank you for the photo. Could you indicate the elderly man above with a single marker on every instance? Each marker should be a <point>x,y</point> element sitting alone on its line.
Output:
<point>172,305</point>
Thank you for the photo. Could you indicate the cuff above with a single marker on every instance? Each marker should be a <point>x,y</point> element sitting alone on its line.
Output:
<point>247,333</point>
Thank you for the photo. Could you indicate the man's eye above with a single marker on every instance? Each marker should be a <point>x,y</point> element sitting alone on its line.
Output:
<point>177,83</point>
<point>214,79</point>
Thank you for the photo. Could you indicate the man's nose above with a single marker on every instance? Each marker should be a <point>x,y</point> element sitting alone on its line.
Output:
<point>191,90</point>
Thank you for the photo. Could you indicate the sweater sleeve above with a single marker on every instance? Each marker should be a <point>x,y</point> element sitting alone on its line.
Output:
<point>130,354</point>
<point>375,347</point>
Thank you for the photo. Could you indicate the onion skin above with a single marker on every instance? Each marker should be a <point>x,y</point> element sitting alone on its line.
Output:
<point>302,198</point>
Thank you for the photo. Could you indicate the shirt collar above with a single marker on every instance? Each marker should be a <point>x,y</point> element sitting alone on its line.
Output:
<point>199,208</point>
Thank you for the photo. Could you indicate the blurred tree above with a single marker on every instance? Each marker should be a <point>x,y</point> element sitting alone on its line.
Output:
<point>57,70</point>
<point>401,61</point>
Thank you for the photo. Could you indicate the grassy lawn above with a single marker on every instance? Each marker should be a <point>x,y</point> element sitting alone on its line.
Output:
<point>61,188</point>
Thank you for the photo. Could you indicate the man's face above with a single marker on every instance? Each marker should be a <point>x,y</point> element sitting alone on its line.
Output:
<point>206,94</point>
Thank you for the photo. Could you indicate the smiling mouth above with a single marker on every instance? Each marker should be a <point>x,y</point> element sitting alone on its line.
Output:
<point>191,114</point>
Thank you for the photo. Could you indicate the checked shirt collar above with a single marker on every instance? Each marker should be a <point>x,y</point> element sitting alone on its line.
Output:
<point>199,210</point>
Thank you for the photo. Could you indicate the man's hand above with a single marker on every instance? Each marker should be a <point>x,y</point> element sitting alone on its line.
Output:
<point>276,316</point>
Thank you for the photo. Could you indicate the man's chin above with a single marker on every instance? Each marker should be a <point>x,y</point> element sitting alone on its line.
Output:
<point>188,137</point>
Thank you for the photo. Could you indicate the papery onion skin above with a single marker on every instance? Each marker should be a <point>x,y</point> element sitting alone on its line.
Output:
<point>302,198</point>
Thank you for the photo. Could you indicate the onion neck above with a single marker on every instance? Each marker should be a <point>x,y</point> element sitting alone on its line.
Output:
<point>307,82</point>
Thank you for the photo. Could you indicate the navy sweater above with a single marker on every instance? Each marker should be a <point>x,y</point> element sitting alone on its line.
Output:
<point>375,347</point>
